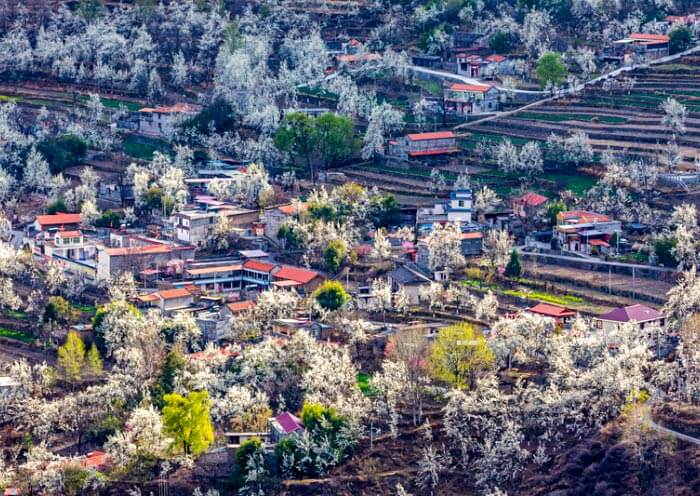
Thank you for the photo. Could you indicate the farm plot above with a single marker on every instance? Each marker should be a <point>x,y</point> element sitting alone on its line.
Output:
<point>616,120</point>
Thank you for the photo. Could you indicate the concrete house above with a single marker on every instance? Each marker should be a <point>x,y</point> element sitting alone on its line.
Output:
<point>195,227</point>
<point>283,426</point>
<point>423,145</point>
<point>409,277</point>
<point>470,99</point>
<point>162,121</point>
<point>586,232</point>
<point>640,316</point>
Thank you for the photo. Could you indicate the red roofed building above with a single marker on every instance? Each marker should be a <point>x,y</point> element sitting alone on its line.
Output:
<point>640,316</point>
<point>468,99</point>
<point>95,460</point>
<point>560,314</point>
<point>423,145</point>
<point>168,300</point>
<point>139,255</point>
<point>57,221</point>
<point>240,306</point>
<point>586,232</point>
<point>640,47</point>
<point>304,280</point>
<point>528,204</point>
<point>285,425</point>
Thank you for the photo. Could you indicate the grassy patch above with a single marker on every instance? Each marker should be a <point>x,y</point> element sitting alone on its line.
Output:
<point>541,116</point>
<point>578,184</point>
<point>675,68</point>
<point>545,297</point>
<point>5,98</point>
<point>364,385</point>
<point>143,148</point>
<point>113,103</point>
<point>12,334</point>
<point>431,87</point>
<point>86,308</point>
<point>16,314</point>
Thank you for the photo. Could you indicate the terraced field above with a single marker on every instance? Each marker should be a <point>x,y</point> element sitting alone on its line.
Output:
<point>619,120</point>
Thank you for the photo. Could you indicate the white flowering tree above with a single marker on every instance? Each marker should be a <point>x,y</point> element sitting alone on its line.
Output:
<point>445,247</point>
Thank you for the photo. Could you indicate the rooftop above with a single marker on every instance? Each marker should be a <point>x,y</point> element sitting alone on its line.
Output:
<point>257,265</point>
<point>240,306</point>
<point>289,422</point>
<point>171,294</point>
<point>530,199</point>
<point>296,274</point>
<point>58,219</point>
<point>431,136</point>
<point>178,108</point>
<point>553,311</point>
<point>632,313</point>
<point>582,217</point>
<point>471,88</point>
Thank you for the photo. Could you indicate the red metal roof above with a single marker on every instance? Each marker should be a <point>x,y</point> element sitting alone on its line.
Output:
<point>598,242</point>
<point>259,266</point>
<point>69,234</point>
<point>649,37</point>
<point>171,294</point>
<point>471,88</point>
<point>495,58</point>
<point>531,199</point>
<point>553,311</point>
<point>296,274</point>
<point>583,216</point>
<point>95,459</point>
<point>472,235</point>
<point>58,219</point>
<point>240,306</point>
<point>291,209</point>
<point>178,108</point>
<point>431,136</point>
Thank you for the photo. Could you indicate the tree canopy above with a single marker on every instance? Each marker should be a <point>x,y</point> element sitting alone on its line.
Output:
<point>187,419</point>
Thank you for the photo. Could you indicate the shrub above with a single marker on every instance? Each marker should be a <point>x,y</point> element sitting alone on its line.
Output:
<point>108,219</point>
<point>331,295</point>
<point>246,450</point>
<point>63,152</point>
<point>334,255</point>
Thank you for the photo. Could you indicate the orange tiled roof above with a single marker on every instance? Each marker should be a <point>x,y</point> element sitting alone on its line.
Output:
<point>171,294</point>
<point>296,274</point>
<point>240,306</point>
<point>259,266</point>
<point>472,88</point>
<point>431,136</point>
<point>58,219</point>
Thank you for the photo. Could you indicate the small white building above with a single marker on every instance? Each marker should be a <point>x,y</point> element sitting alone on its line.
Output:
<point>459,206</point>
<point>162,121</point>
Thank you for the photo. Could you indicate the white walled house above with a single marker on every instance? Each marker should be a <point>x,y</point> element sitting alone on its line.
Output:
<point>162,121</point>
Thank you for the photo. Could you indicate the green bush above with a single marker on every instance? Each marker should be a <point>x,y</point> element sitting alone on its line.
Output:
<point>246,450</point>
<point>63,152</point>
<point>331,295</point>
<point>334,255</point>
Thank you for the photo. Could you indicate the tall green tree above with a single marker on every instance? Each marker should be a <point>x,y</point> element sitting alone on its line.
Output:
<point>514,268</point>
<point>71,357</point>
<point>459,353</point>
<point>93,361</point>
<point>335,138</point>
<point>172,365</point>
<point>297,136</point>
<point>679,39</point>
<point>551,69</point>
<point>187,420</point>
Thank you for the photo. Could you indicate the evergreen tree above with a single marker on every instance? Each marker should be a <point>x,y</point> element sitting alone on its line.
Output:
<point>514,268</point>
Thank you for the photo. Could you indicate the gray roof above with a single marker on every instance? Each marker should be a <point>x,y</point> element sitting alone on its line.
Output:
<point>409,273</point>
